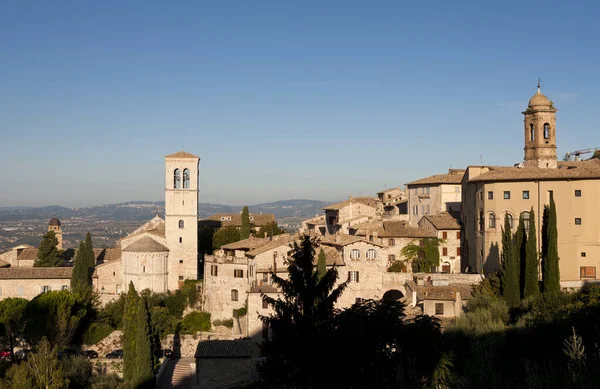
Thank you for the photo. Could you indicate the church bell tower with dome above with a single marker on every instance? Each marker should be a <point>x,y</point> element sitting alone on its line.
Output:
<point>540,132</point>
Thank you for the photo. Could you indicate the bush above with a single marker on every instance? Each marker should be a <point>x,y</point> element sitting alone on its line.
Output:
<point>78,370</point>
<point>96,332</point>
<point>226,322</point>
<point>162,322</point>
<point>397,267</point>
<point>196,321</point>
<point>176,303</point>
<point>190,291</point>
<point>113,312</point>
<point>109,381</point>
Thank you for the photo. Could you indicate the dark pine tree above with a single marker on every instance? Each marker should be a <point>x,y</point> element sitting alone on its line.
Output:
<point>143,371</point>
<point>48,253</point>
<point>245,229</point>
<point>321,264</point>
<point>550,269</point>
<point>520,253</point>
<point>79,276</point>
<point>532,286</point>
<point>510,279</point>
<point>89,258</point>
<point>130,333</point>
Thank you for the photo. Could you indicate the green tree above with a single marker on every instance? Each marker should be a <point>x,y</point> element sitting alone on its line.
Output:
<point>196,321</point>
<point>532,287</point>
<point>130,333</point>
<point>423,256</point>
<point>245,229</point>
<point>143,369</point>
<point>11,314</point>
<point>510,277</point>
<point>81,281</point>
<point>225,235</point>
<point>521,253</point>
<point>550,269</point>
<point>321,264</point>
<point>48,253</point>
<point>269,229</point>
<point>41,370</point>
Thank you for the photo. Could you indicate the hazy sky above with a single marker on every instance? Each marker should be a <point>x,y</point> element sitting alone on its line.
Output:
<point>315,100</point>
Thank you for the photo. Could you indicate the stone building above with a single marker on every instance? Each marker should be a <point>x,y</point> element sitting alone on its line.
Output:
<point>28,282</point>
<point>340,216</point>
<point>434,194</point>
<point>446,227</point>
<point>55,226</point>
<point>219,220</point>
<point>491,193</point>
<point>395,204</point>
<point>316,225</point>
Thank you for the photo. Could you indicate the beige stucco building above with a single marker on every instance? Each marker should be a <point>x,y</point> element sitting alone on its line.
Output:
<point>341,216</point>
<point>434,194</point>
<point>489,193</point>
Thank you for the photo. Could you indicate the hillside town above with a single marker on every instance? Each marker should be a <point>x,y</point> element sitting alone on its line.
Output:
<point>430,245</point>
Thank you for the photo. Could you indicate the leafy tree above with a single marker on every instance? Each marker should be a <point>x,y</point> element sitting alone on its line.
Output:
<point>143,369</point>
<point>510,278</point>
<point>62,313</point>
<point>321,264</point>
<point>11,315</point>
<point>113,312</point>
<point>225,235</point>
<point>78,370</point>
<point>423,256</point>
<point>191,292</point>
<point>42,369</point>
<point>269,229</point>
<point>162,322</point>
<point>176,303</point>
<point>245,229</point>
<point>130,333</point>
<point>521,253</point>
<point>532,287</point>
<point>48,253</point>
<point>301,317</point>
<point>550,269</point>
<point>196,321</point>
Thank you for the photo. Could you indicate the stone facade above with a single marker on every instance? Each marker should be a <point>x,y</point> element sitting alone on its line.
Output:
<point>30,282</point>
<point>341,216</point>
<point>447,228</point>
<point>434,194</point>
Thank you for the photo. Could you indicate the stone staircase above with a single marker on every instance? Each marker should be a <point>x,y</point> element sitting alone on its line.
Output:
<point>177,374</point>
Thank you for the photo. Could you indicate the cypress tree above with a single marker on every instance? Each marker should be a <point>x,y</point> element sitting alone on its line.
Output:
<point>79,277</point>
<point>321,264</point>
<point>245,230</point>
<point>532,287</point>
<point>143,372</point>
<point>130,333</point>
<point>48,253</point>
<point>520,253</point>
<point>510,279</point>
<point>550,269</point>
<point>89,258</point>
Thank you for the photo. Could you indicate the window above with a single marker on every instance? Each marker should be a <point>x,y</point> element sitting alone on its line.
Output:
<point>415,209</point>
<point>391,242</point>
<point>113,274</point>
<point>428,210</point>
<point>422,210</point>
<point>546,131</point>
<point>181,224</point>
<point>180,278</point>
<point>439,308</point>
<point>20,291</point>
<point>507,195</point>
<point>444,235</point>
<point>427,190</point>
<point>577,221</point>
<point>510,219</point>
<point>492,221</point>
<point>587,272</point>
<point>143,269</point>
<point>354,254</point>
<point>371,238</point>
<point>234,295</point>
<point>481,221</point>
<point>577,192</point>
<point>458,251</point>
<point>181,261</point>
<point>583,254</point>
<point>353,276</point>
<point>457,189</point>
<point>180,239</point>
<point>526,195</point>
<point>531,132</point>
<point>445,251</point>
<point>45,289</point>
<point>265,304</point>
<point>177,179</point>
<point>237,273</point>
<point>186,178</point>
<point>64,287</point>
<point>490,195</point>
<point>458,235</point>
<point>371,254</point>
<point>391,257</point>
<point>526,215</point>
<point>214,270</point>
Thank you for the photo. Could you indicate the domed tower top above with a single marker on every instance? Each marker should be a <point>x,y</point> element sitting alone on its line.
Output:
<point>54,222</point>
<point>540,132</point>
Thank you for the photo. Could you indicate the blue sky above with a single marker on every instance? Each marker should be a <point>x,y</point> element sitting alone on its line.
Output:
<point>313,100</point>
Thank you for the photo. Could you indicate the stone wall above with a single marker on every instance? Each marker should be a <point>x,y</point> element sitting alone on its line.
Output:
<point>108,278</point>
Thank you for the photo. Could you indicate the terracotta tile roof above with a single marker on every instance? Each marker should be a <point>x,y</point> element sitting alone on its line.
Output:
<point>582,170</point>
<point>446,292</point>
<point>392,229</point>
<point>389,190</point>
<point>317,220</point>
<point>344,240</point>
<point>155,226</point>
<point>220,220</point>
<point>146,245</point>
<point>107,255</point>
<point>4,263</point>
<point>368,201</point>
<point>279,240</point>
<point>246,244</point>
<point>225,349</point>
<point>28,254</point>
<point>454,176</point>
<point>35,273</point>
<point>332,256</point>
<point>444,221</point>
<point>182,154</point>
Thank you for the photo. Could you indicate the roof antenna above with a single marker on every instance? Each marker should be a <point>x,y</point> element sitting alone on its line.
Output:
<point>480,159</point>
<point>539,84</point>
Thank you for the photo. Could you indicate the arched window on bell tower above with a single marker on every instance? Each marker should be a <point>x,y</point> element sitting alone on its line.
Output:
<point>186,178</point>
<point>177,179</point>
<point>546,131</point>
<point>531,133</point>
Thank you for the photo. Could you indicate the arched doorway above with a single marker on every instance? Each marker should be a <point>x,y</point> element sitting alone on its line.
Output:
<point>392,295</point>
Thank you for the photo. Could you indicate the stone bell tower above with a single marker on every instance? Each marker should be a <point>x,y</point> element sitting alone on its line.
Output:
<point>54,225</point>
<point>181,217</point>
<point>540,132</point>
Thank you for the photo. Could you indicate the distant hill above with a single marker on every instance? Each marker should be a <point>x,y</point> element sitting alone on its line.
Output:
<point>144,210</point>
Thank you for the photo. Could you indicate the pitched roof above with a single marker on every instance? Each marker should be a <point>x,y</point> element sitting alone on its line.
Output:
<point>317,220</point>
<point>182,154</point>
<point>344,240</point>
<point>588,169</point>
<point>107,255</point>
<point>225,349</point>
<point>446,292</point>
<point>279,240</point>
<point>247,244</point>
<point>146,245</point>
<point>28,254</point>
<point>4,263</point>
<point>235,219</point>
<point>368,201</point>
<point>454,176</point>
<point>154,226</point>
<point>392,229</point>
<point>443,221</point>
<point>35,273</point>
<point>332,256</point>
